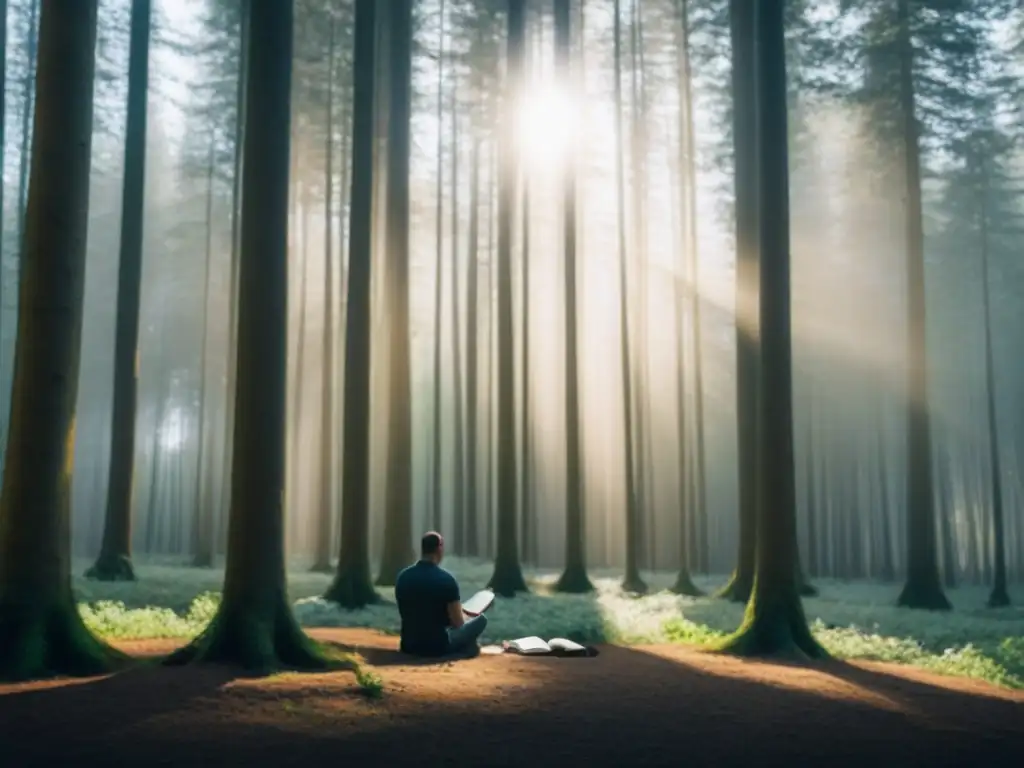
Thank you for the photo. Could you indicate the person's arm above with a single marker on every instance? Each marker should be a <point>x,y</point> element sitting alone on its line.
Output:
<point>456,618</point>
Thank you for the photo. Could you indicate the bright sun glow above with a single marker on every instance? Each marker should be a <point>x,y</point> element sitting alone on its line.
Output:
<point>548,122</point>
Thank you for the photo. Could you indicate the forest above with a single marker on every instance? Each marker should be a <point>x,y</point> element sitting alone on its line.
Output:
<point>659,310</point>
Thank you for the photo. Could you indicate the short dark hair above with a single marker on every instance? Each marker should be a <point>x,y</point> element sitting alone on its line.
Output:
<point>431,542</point>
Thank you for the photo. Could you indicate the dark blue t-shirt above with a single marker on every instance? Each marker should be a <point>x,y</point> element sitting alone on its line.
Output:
<point>423,592</point>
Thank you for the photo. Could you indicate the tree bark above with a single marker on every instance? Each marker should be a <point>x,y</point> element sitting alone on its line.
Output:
<point>742,23</point>
<point>115,561</point>
<point>774,624</point>
<point>632,581</point>
<point>41,632</point>
<point>398,551</point>
<point>254,627</point>
<point>202,513</point>
<point>574,578</point>
<point>325,514</point>
<point>507,578</point>
<point>353,586</point>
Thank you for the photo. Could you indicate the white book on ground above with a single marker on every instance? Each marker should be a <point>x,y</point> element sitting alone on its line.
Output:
<point>529,646</point>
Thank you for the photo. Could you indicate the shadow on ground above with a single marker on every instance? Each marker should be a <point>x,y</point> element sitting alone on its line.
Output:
<point>629,706</point>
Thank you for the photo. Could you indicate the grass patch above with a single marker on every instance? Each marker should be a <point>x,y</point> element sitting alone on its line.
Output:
<point>852,620</point>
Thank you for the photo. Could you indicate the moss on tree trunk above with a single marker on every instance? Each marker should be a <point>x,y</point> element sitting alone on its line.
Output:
<point>41,632</point>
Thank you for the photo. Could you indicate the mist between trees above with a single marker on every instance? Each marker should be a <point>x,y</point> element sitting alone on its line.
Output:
<point>669,216</point>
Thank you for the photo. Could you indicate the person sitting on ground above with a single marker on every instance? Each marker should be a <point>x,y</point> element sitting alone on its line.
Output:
<point>433,622</point>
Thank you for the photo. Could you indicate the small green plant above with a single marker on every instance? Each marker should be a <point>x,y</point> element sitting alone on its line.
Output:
<point>369,682</point>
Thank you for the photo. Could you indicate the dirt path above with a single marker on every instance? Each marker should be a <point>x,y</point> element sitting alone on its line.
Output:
<point>644,706</point>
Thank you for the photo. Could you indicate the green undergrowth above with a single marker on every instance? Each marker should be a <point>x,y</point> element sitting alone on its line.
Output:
<point>852,620</point>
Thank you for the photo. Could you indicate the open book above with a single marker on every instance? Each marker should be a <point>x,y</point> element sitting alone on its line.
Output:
<point>478,603</point>
<point>556,646</point>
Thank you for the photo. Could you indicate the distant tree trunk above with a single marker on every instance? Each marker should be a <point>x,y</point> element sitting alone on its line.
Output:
<point>632,582</point>
<point>470,544</point>
<point>639,366</point>
<point>811,465</point>
<point>492,332</point>
<point>774,624</point>
<point>885,508</point>
<point>115,561</point>
<point>254,626</point>
<point>436,459</point>
<point>458,472</point>
<point>41,632</point>
<point>236,219</point>
<point>923,589</point>
<point>699,512</point>
<point>398,551</point>
<point>999,597</point>
<point>527,519</point>
<point>742,20</point>
<point>507,578</point>
<point>325,515</point>
<point>294,456</point>
<point>202,513</point>
<point>353,586</point>
<point>687,164</point>
<point>574,578</point>
<point>28,90</point>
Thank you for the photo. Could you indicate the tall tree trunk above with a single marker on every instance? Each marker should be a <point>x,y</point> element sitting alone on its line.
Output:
<point>999,597</point>
<point>923,589</point>
<point>507,578</point>
<point>458,471</point>
<point>632,582</point>
<point>527,518</point>
<point>742,21</point>
<point>41,632</point>
<point>114,562</point>
<point>202,514</point>
<point>398,550</point>
<point>325,515</point>
<point>687,162</point>
<point>436,459</point>
<point>471,539</point>
<point>294,456</point>
<point>236,229</point>
<point>254,626</point>
<point>774,623</point>
<point>699,512</point>
<point>640,366</point>
<point>574,578</point>
<point>353,586</point>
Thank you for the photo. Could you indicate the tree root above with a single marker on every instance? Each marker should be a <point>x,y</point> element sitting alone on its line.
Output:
<point>110,567</point>
<point>38,643</point>
<point>352,589</point>
<point>574,581</point>
<point>256,644</point>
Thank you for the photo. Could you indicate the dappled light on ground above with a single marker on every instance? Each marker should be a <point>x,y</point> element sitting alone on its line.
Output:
<point>854,620</point>
<point>635,705</point>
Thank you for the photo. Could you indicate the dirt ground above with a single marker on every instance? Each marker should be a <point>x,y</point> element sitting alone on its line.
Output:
<point>640,706</point>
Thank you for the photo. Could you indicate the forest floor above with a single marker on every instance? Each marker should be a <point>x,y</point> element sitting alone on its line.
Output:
<point>853,620</point>
<point>642,705</point>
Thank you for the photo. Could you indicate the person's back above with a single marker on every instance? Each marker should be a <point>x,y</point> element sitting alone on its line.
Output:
<point>423,592</point>
<point>433,623</point>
